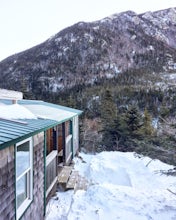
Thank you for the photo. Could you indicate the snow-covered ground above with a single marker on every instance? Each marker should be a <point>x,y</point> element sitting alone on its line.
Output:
<point>122,186</point>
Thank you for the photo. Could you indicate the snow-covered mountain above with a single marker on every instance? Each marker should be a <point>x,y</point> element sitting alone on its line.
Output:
<point>87,52</point>
<point>123,186</point>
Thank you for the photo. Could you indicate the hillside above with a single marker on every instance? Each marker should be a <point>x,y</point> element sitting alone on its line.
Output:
<point>121,71</point>
<point>87,52</point>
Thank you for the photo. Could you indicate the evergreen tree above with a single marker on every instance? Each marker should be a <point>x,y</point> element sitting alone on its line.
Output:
<point>71,101</point>
<point>120,131</point>
<point>147,128</point>
<point>108,117</point>
<point>133,120</point>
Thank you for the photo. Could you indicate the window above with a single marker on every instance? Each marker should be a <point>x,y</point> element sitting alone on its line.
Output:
<point>24,175</point>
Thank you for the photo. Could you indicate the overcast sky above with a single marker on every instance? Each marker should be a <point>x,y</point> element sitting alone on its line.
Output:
<point>25,23</point>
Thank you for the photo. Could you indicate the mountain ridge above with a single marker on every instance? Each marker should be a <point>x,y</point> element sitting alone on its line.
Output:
<point>86,52</point>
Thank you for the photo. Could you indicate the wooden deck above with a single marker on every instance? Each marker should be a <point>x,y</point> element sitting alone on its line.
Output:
<point>68,178</point>
<point>72,180</point>
<point>64,174</point>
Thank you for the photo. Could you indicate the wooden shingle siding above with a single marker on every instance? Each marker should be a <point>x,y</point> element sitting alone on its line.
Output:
<point>36,209</point>
<point>7,184</point>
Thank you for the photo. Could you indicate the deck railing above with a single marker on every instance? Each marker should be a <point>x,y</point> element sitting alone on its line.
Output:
<point>51,171</point>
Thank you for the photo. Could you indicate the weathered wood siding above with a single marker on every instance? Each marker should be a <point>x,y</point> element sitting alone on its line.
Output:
<point>7,184</point>
<point>36,209</point>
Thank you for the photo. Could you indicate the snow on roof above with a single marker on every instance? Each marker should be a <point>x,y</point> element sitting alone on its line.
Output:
<point>25,102</point>
<point>15,111</point>
<point>10,94</point>
<point>33,109</point>
<point>48,112</point>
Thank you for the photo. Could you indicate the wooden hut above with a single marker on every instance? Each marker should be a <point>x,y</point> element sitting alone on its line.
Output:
<point>34,137</point>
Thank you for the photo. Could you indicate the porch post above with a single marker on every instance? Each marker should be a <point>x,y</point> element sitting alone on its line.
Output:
<point>71,132</point>
<point>63,141</point>
<point>55,138</point>
<point>44,155</point>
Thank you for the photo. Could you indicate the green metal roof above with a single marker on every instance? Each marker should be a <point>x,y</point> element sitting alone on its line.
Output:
<point>12,131</point>
<point>48,115</point>
<point>48,110</point>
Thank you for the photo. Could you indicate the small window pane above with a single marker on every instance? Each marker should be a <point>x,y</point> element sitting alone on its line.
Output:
<point>21,190</point>
<point>23,158</point>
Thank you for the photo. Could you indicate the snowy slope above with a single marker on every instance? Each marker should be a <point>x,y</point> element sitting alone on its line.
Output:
<point>122,186</point>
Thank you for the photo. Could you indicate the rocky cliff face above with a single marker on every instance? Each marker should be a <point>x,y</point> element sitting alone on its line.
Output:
<point>87,52</point>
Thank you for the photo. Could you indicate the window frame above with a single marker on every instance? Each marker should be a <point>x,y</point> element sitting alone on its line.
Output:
<point>29,182</point>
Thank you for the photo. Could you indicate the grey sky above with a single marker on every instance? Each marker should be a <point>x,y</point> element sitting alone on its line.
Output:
<point>25,23</point>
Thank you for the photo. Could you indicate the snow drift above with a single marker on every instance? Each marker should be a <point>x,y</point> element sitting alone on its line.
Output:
<point>122,186</point>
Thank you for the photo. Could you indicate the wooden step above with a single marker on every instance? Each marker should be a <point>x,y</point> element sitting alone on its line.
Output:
<point>72,180</point>
<point>64,174</point>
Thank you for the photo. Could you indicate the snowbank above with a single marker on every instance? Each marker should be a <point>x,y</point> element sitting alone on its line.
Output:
<point>122,186</point>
